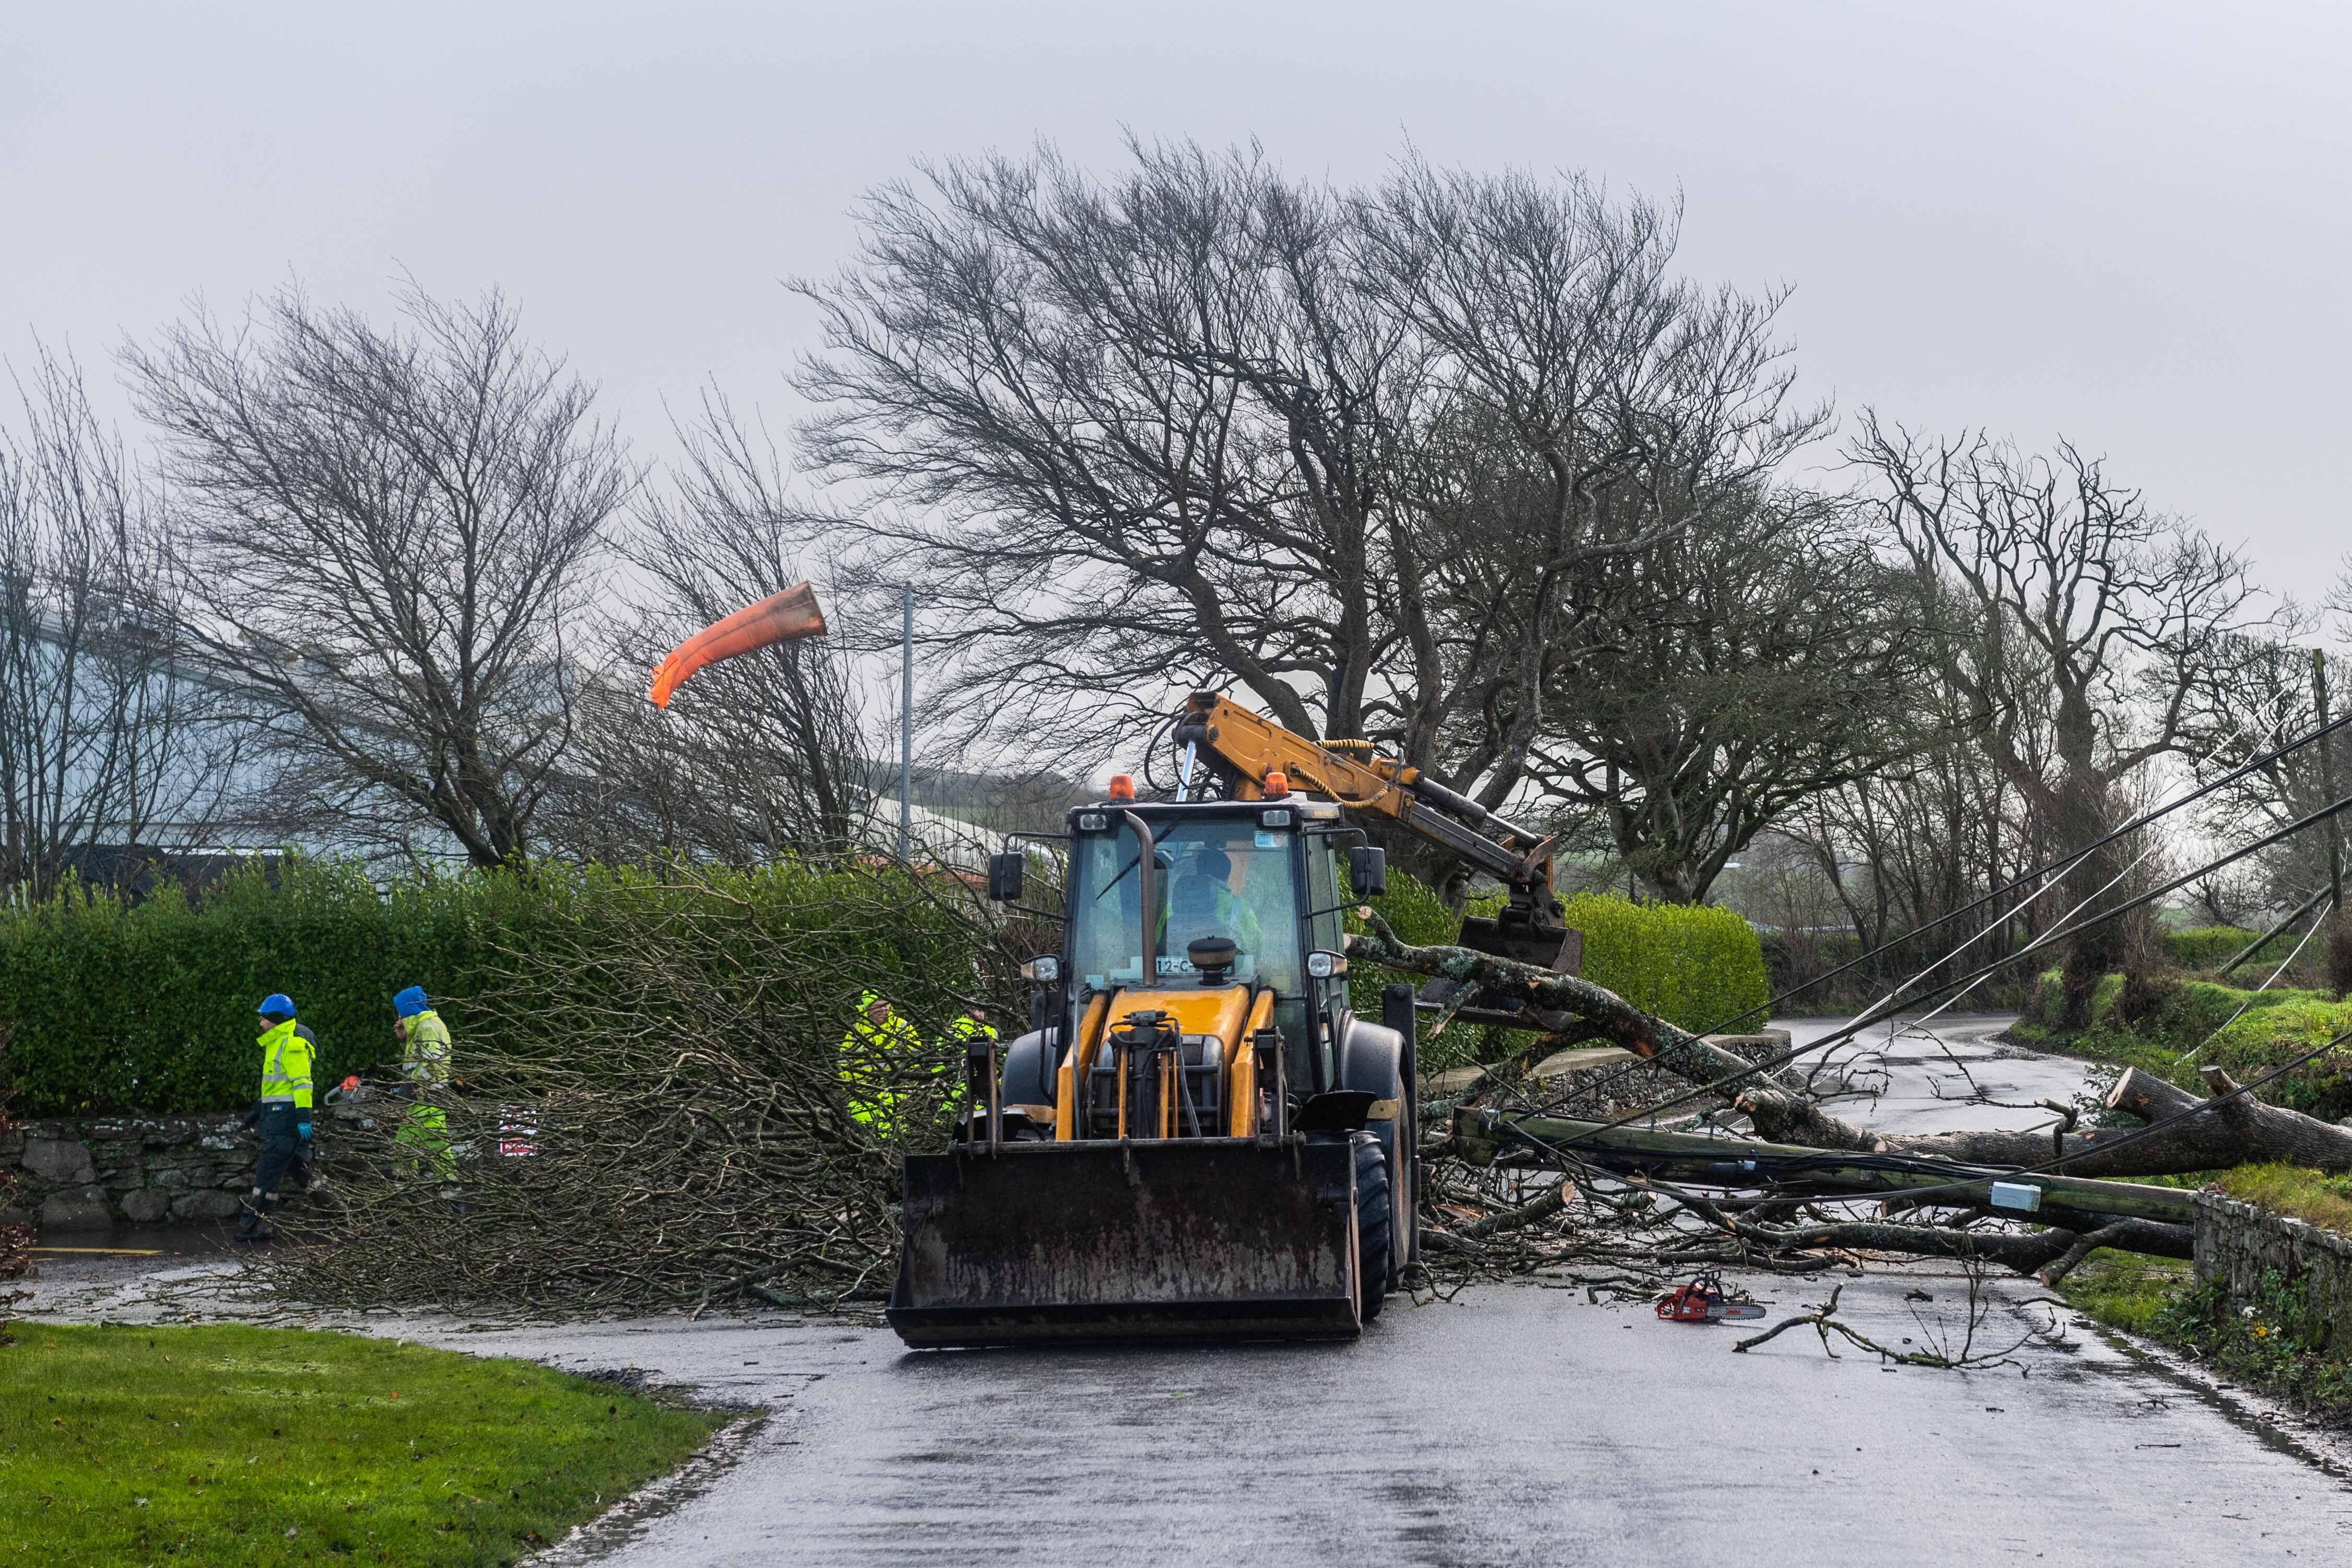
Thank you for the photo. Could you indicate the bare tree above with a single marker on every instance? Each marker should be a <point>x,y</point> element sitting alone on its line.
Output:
<point>1129,440</point>
<point>1700,691</point>
<point>1923,839</point>
<point>2109,617</point>
<point>2259,694</point>
<point>761,756</point>
<point>107,736</point>
<point>395,533</point>
<point>1576,407</point>
<point>1356,454</point>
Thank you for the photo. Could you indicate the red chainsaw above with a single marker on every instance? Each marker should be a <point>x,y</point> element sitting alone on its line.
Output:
<point>1705,1300</point>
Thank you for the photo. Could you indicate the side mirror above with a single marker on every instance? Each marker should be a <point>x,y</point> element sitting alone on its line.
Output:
<point>1368,871</point>
<point>1042,969</point>
<point>1004,877</point>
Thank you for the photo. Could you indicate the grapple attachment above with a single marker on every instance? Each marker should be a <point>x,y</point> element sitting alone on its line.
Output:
<point>1559,948</point>
<point>1181,1238</point>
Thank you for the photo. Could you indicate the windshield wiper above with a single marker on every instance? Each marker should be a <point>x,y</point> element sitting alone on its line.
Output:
<point>1115,881</point>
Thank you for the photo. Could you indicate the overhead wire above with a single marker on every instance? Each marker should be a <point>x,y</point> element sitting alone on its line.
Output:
<point>2147,853</point>
<point>1562,1151</point>
<point>2056,865</point>
<point>2047,940</point>
<point>1880,1009</point>
<point>2268,981</point>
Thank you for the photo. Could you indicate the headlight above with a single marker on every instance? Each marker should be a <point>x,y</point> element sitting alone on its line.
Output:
<point>1092,822</point>
<point>1277,818</point>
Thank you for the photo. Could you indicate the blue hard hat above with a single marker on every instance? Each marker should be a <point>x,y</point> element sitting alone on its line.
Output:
<point>276,1001</point>
<point>409,1002</point>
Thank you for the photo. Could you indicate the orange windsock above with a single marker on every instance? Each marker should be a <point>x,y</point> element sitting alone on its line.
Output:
<point>779,617</point>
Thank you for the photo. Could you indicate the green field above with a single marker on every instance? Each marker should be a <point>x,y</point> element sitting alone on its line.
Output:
<point>234,1444</point>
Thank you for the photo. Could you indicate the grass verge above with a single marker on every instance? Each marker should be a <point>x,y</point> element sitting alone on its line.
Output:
<point>2129,1291</point>
<point>2246,1032</point>
<point>237,1444</point>
<point>2321,1200</point>
<point>2260,1344</point>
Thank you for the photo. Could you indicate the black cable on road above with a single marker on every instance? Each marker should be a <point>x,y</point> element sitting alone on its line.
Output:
<point>1925,1165</point>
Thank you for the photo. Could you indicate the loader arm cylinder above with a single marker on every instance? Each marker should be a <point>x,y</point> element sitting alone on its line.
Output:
<point>1241,748</point>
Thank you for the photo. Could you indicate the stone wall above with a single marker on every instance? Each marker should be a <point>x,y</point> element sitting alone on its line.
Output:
<point>2238,1243</point>
<point>81,1176</point>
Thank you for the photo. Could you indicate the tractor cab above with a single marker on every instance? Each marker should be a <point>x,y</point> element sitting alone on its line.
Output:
<point>1243,937</point>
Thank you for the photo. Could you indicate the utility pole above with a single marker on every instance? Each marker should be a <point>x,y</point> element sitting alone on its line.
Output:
<point>907,725</point>
<point>2327,782</point>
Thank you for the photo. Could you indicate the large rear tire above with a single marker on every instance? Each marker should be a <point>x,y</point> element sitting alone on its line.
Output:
<point>1375,1226</point>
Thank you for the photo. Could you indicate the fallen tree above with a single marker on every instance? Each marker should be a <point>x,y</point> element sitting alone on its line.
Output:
<point>1952,1171</point>
<point>2232,1129</point>
<point>1486,1137</point>
<point>690,1143</point>
<point>671,1130</point>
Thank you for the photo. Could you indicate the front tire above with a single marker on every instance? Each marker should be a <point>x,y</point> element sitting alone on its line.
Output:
<point>1375,1226</point>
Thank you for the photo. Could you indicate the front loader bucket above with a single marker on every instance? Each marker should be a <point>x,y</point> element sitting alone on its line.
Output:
<point>1187,1238</point>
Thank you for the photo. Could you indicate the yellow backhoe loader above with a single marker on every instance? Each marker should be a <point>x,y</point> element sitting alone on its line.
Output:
<point>1201,1138</point>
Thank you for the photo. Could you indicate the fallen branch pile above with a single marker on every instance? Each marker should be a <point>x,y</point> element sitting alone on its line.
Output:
<point>689,1143</point>
<point>1767,1195</point>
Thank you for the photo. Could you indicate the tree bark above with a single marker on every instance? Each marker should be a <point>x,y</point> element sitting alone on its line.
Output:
<point>2238,1130</point>
<point>1645,1034</point>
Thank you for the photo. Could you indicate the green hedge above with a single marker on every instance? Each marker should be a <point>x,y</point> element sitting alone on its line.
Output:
<point>116,1008</point>
<point>1699,967</point>
<point>1691,965</point>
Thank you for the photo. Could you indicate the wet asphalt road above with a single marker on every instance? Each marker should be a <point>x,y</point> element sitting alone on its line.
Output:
<point>1516,1424</point>
<point>1941,1074</point>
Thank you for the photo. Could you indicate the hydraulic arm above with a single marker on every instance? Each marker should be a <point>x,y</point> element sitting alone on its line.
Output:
<point>1240,750</point>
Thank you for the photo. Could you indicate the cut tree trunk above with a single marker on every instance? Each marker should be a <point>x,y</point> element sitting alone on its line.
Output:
<point>2237,1129</point>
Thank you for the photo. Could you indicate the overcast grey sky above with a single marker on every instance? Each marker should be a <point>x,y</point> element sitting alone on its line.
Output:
<point>2125,222</point>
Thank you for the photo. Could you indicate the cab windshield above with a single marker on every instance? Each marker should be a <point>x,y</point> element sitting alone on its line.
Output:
<point>1216,878</point>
